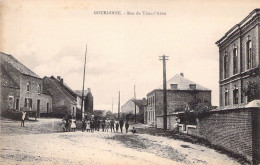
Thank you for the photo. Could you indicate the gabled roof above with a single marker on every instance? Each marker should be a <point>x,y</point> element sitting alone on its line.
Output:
<point>6,80</point>
<point>64,90</point>
<point>140,102</point>
<point>17,65</point>
<point>79,92</point>
<point>183,83</point>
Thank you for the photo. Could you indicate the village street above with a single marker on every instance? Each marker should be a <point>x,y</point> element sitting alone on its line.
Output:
<point>41,143</point>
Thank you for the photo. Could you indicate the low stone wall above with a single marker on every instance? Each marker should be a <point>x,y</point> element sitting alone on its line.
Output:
<point>171,122</point>
<point>235,130</point>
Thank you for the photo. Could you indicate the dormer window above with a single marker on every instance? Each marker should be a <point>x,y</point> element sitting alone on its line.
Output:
<point>193,86</point>
<point>174,86</point>
<point>28,86</point>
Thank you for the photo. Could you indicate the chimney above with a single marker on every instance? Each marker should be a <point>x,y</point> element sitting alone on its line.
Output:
<point>89,90</point>
<point>61,81</point>
<point>58,77</point>
<point>182,74</point>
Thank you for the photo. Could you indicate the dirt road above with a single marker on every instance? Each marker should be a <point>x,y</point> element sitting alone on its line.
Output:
<point>45,145</point>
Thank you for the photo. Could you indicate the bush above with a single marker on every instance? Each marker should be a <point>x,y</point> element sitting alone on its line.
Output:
<point>60,112</point>
<point>12,114</point>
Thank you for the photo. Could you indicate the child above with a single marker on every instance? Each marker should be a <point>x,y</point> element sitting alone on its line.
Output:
<point>117,126</point>
<point>133,130</point>
<point>88,126</point>
<point>63,125</point>
<point>73,124</point>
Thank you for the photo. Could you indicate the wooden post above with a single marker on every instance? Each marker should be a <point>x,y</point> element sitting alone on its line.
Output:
<point>164,58</point>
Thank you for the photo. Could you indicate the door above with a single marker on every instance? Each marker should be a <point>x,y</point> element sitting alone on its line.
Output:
<point>17,104</point>
<point>38,108</point>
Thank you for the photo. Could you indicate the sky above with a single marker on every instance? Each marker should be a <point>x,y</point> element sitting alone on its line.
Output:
<point>50,37</point>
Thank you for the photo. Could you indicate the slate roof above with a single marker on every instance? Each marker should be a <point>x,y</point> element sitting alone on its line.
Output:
<point>17,65</point>
<point>6,80</point>
<point>183,83</point>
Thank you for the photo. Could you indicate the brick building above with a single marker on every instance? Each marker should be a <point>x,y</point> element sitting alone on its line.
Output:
<point>22,89</point>
<point>180,93</point>
<point>239,60</point>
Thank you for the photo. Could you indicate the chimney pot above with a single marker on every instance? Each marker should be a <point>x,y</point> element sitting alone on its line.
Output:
<point>58,77</point>
<point>182,74</point>
<point>89,90</point>
<point>61,81</point>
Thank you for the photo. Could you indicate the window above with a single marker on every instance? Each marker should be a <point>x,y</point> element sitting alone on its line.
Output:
<point>39,89</point>
<point>249,57</point>
<point>225,65</point>
<point>17,104</point>
<point>47,108</point>
<point>192,86</point>
<point>11,102</point>
<point>226,97</point>
<point>28,86</point>
<point>235,61</point>
<point>28,102</point>
<point>174,86</point>
<point>235,96</point>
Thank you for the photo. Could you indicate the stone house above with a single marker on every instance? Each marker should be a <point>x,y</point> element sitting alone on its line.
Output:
<point>88,100</point>
<point>22,89</point>
<point>180,93</point>
<point>129,107</point>
<point>239,60</point>
<point>64,98</point>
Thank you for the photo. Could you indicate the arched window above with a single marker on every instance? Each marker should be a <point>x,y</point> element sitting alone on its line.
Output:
<point>28,86</point>
<point>226,102</point>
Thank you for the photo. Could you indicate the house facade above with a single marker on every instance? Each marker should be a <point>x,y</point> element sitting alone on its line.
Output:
<point>64,99</point>
<point>181,92</point>
<point>22,89</point>
<point>133,105</point>
<point>239,60</point>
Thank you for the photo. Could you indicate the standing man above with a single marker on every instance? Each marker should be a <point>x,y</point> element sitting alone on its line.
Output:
<point>112,125</point>
<point>121,124</point>
<point>126,126</point>
<point>23,118</point>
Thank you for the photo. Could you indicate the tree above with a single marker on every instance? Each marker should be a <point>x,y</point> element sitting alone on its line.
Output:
<point>251,90</point>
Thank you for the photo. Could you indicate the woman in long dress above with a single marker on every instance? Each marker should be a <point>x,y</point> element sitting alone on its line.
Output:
<point>73,125</point>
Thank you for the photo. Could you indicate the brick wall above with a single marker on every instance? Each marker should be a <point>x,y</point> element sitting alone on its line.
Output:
<point>235,130</point>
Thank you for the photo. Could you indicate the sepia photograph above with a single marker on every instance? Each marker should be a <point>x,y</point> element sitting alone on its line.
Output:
<point>125,82</point>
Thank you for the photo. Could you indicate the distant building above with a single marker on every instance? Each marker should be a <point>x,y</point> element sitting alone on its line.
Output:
<point>22,89</point>
<point>239,60</point>
<point>180,93</point>
<point>129,107</point>
<point>88,100</point>
<point>64,98</point>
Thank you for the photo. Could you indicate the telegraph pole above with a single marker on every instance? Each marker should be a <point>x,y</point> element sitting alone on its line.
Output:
<point>135,102</point>
<point>82,113</point>
<point>164,58</point>
<point>119,105</point>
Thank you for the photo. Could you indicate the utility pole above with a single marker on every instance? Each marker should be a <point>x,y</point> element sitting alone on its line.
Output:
<point>164,58</point>
<point>119,105</point>
<point>135,102</point>
<point>82,113</point>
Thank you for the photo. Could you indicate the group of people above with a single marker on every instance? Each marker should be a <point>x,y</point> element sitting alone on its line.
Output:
<point>95,124</point>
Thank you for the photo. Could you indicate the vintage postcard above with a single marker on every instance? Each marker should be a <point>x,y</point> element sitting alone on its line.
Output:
<point>130,82</point>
